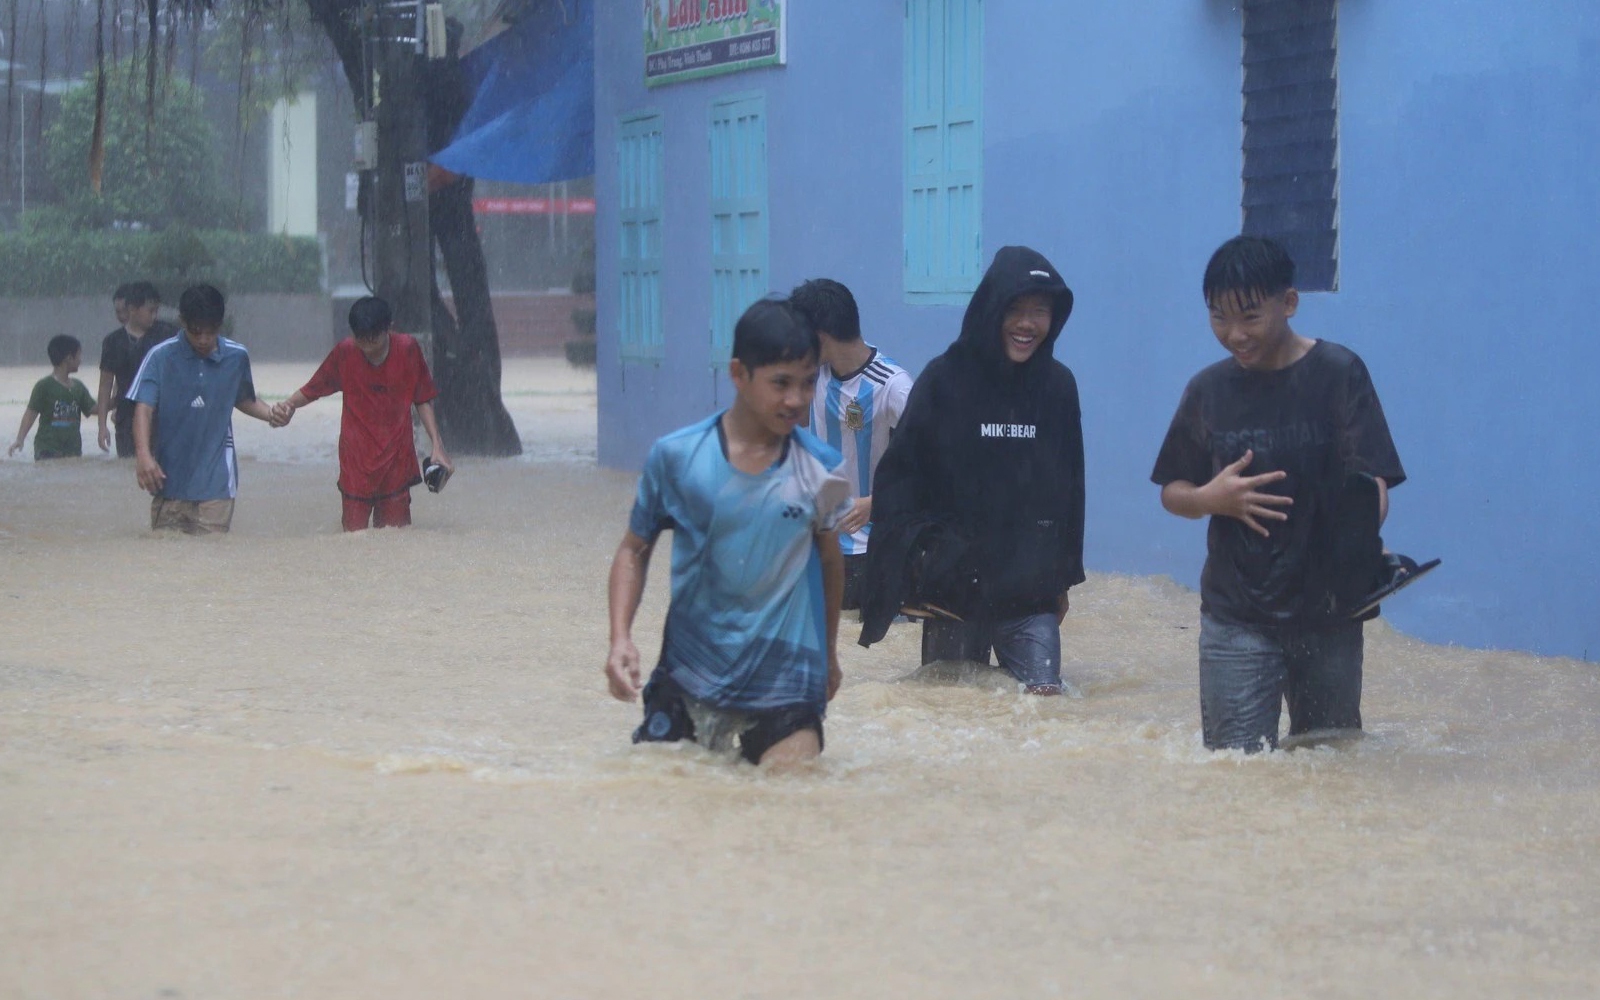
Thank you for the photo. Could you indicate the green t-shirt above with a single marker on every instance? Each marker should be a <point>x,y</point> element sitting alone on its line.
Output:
<point>59,407</point>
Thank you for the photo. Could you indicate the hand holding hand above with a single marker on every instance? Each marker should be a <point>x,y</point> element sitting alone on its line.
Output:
<point>1232,494</point>
<point>282,413</point>
<point>859,515</point>
<point>622,670</point>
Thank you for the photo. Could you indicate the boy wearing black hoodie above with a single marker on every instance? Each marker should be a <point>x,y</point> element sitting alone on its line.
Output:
<point>1281,444</point>
<point>978,501</point>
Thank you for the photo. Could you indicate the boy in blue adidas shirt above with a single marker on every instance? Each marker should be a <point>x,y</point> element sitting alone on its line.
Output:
<point>749,650</point>
<point>860,396</point>
<point>184,396</point>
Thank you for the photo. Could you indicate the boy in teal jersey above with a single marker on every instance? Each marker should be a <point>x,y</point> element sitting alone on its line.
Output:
<point>754,502</point>
<point>62,400</point>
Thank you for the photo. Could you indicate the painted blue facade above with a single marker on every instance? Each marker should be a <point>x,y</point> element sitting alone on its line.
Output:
<point>1469,204</point>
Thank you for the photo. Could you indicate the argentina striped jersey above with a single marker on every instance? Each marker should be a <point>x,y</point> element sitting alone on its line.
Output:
<point>854,415</point>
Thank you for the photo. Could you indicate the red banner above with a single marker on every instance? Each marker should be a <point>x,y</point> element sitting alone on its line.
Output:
<point>533,206</point>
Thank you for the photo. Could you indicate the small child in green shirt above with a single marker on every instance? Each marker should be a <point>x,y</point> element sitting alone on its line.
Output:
<point>62,400</point>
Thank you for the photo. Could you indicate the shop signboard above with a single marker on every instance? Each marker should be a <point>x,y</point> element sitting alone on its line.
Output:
<point>688,39</point>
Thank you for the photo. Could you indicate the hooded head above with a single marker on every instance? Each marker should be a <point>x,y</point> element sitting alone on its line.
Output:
<point>1017,273</point>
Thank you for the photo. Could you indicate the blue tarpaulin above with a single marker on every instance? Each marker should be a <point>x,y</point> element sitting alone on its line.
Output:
<point>531,119</point>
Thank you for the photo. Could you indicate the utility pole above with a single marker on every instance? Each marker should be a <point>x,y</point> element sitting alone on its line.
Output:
<point>398,45</point>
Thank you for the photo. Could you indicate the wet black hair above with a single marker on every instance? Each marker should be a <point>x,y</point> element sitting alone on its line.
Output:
<point>61,347</point>
<point>121,292</point>
<point>829,307</point>
<point>137,293</point>
<point>370,316</point>
<point>202,305</point>
<point>771,332</point>
<point>1248,268</point>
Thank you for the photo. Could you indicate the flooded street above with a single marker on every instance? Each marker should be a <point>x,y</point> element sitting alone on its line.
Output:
<point>297,763</point>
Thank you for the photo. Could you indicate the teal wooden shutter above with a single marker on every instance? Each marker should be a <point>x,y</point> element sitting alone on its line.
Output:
<point>1291,133</point>
<point>738,215</point>
<point>944,148</point>
<point>639,174</point>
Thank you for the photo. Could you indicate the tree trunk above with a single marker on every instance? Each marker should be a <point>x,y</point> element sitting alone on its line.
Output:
<point>472,417</point>
<point>466,357</point>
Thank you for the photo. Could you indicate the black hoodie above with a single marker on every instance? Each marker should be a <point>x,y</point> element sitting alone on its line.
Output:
<point>985,468</point>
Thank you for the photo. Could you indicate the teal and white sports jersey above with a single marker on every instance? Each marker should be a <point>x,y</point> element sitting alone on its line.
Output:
<point>855,413</point>
<point>746,628</point>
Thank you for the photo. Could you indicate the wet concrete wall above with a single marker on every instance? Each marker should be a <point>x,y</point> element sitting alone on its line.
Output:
<point>273,327</point>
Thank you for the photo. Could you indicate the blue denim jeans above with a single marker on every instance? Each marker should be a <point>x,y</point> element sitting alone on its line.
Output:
<point>1028,648</point>
<point>1247,672</point>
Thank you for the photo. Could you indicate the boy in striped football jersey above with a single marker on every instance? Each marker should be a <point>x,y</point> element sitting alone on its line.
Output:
<point>860,396</point>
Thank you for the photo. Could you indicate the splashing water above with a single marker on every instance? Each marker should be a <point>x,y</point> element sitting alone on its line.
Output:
<point>297,762</point>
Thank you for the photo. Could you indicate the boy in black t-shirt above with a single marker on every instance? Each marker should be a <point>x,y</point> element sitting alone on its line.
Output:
<point>121,353</point>
<point>1266,443</point>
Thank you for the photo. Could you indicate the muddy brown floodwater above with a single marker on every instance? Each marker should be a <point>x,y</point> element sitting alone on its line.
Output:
<point>297,763</point>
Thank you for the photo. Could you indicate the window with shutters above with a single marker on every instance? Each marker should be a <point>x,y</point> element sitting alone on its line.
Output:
<point>1291,133</point>
<point>639,175</point>
<point>944,149</point>
<point>738,215</point>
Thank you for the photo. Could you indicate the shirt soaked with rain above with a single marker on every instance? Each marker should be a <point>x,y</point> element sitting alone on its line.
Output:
<point>194,397</point>
<point>60,408</point>
<point>746,627</point>
<point>377,453</point>
<point>855,413</point>
<point>1317,420</point>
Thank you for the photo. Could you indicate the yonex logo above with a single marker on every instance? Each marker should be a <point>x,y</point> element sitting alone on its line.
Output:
<point>792,512</point>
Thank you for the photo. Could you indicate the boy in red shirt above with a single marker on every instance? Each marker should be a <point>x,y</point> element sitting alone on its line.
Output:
<point>382,375</point>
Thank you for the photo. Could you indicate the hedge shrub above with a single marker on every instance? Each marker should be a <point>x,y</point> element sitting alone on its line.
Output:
<point>50,263</point>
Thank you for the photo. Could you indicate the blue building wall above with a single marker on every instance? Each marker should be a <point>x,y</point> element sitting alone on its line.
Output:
<point>1469,131</point>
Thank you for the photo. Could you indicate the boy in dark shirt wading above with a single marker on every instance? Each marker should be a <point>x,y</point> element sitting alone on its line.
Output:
<point>978,503</point>
<point>1264,443</point>
<point>121,353</point>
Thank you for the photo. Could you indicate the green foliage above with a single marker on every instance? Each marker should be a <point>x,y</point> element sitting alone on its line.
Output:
<point>583,322</point>
<point>581,353</point>
<point>157,170</point>
<point>581,350</point>
<point>583,277</point>
<point>178,251</point>
<point>45,263</point>
<point>272,49</point>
